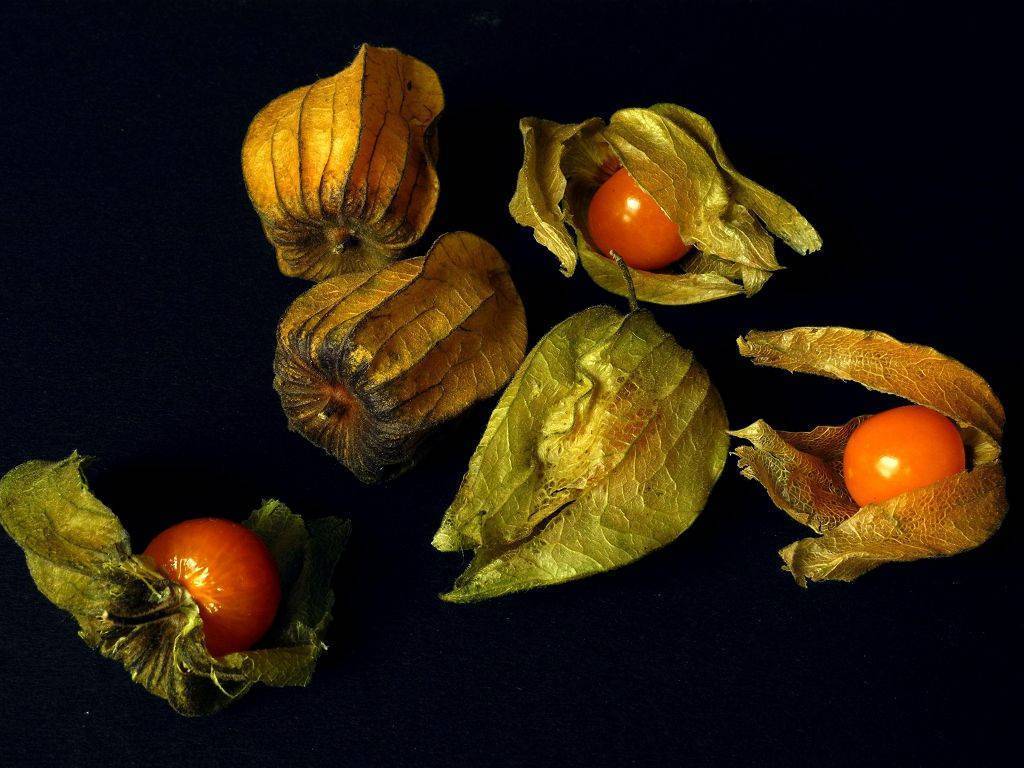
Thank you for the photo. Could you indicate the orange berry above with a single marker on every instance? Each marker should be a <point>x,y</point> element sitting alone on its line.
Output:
<point>625,219</point>
<point>899,450</point>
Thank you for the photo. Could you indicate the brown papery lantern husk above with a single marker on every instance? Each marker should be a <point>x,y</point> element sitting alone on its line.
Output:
<point>368,363</point>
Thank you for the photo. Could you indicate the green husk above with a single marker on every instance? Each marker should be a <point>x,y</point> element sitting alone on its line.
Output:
<point>603,448</point>
<point>80,558</point>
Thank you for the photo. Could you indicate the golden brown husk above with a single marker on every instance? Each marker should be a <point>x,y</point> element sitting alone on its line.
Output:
<point>802,471</point>
<point>368,363</point>
<point>341,172</point>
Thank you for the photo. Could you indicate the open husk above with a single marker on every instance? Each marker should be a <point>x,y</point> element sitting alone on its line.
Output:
<point>341,172</point>
<point>802,471</point>
<point>676,157</point>
<point>369,362</point>
<point>80,558</point>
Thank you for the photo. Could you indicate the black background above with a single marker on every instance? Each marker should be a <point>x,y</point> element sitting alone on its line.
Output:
<point>138,301</point>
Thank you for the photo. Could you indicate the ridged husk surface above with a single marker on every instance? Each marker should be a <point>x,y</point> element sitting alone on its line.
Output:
<point>341,172</point>
<point>369,362</point>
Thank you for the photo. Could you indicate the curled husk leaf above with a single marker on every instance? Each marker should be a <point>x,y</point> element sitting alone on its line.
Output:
<point>80,557</point>
<point>675,156</point>
<point>368,363</point>
<point>341,172</point>
<point>803,471</point>
<point>604,447</point>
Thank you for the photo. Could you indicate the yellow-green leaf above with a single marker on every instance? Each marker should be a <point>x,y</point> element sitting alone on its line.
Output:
<point>667,287</point>
<point>604,447</point>
<point>802,471</point>
<point>781,218</point>
<point>306,553</point>
<point>878,361</point>
<point>48,510</point>
<point>948,517</point>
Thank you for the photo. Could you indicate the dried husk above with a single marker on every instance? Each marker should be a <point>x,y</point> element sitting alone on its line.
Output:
<point>341,172</point>
<point>603,448</point>
<point>80,557</point>
<point>368,363</point>
<point>802,471</point>
<point>675,156</point>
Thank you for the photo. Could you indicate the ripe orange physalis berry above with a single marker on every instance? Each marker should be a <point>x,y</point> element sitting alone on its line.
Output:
<point>230,574</point>
<point>625,219</point>
<point>899,450</point>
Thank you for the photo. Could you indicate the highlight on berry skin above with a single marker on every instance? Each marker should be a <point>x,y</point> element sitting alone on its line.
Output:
<point>900,450</point>
<point>229,572</point>
<point>623,218</point>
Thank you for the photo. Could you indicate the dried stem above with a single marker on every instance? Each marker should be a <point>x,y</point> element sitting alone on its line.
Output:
<point>633,304</point>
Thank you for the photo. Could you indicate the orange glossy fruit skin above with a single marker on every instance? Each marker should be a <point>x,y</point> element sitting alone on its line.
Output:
<point>230,574</point>
<point>899,450</point>
<point>625,219</point>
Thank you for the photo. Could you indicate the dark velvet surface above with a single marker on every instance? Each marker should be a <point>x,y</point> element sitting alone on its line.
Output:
<point>138,301</point>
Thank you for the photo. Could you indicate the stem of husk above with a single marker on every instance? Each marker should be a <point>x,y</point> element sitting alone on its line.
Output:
<point>633,304</point>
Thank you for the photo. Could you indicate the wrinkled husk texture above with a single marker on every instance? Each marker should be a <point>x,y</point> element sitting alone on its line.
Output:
<point>675,156</point>
<point>802,471</point>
